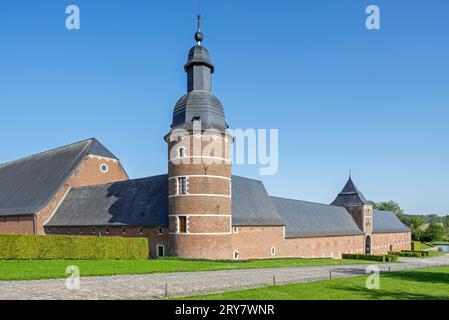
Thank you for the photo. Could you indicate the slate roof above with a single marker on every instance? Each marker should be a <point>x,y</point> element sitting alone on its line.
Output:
<point>144,202</point>
<point>251,204</point>
<point>350,195</point>
<point>386,221</point>
<point>199,104</point>
<point>307,219</point>
<point>28,184</point>
<point>141,202</point>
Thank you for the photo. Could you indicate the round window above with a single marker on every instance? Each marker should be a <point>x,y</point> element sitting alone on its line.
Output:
<point>104,168</point>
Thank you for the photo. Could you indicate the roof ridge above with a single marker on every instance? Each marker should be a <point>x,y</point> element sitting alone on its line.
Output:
<point>118,182</point>
<point>304,201</point>
<point>48,151</point>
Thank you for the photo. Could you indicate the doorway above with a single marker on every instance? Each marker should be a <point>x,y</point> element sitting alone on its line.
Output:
<point>368,245</point>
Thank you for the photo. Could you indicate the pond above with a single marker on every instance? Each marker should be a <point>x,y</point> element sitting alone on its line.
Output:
<point>443,247</point>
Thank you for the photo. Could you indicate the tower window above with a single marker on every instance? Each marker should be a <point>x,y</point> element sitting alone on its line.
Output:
<point>182,185</point>
<point>182,227</point>
<point>182,152</point>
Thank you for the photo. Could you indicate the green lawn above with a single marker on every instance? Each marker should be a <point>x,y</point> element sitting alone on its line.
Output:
<point>428,283</point>
<point>48,269</point>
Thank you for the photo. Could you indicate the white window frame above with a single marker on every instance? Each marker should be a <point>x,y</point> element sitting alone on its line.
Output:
<point>178,186</point>
<point>157,250</point>
<point>236,255</point>
<point>104,165</point>
<point>182,152</point>
<point>273,251</point>
<point>179,224</point>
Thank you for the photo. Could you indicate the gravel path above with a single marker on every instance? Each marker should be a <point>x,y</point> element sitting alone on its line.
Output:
<point>158,286</point>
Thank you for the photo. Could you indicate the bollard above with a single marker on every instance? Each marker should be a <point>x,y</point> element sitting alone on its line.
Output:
<point>330,274</point>
<point>166,291</point>
<point>274,280</point>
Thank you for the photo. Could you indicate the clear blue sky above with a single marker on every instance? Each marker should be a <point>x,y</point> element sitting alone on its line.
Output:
<point>342,97</point>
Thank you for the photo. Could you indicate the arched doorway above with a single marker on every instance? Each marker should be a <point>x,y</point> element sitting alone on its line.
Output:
<point>368,245</point>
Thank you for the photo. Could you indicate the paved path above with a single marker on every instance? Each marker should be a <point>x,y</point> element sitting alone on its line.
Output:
<point>153,286</point>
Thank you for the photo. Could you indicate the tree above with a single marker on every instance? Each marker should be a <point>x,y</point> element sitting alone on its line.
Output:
<point>389,206</point>
<point>435,232</point>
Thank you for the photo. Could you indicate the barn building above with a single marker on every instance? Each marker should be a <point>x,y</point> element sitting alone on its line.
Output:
<point>196,210</point>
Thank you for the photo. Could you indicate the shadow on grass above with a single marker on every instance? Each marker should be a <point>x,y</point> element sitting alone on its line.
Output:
<point>422,276</point>
<point>381,294</point>
<point>398,293</point>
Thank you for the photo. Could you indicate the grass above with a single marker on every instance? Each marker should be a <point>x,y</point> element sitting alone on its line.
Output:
<point>419,246</point>
<point>49,269</point>
<point>422,284</point>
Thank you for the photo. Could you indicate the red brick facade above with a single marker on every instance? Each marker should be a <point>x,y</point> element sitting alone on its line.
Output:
<point>206,204</point>
<point>88,173</point>
<point>206,207</point>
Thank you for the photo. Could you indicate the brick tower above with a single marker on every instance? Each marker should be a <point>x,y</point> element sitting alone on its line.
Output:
<point>199,169</point>
<point>359,208</point>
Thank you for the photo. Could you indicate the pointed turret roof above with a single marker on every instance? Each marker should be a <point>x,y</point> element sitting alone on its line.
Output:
<point>350,195</point>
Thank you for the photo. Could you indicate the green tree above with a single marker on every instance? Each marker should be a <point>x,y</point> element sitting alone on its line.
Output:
<point>435,232</point>
<point>389,206</point>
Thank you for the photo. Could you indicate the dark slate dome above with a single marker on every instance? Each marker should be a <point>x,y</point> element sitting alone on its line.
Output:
<point>199,104</point>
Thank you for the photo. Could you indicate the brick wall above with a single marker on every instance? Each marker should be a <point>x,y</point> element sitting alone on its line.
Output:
<point>88,173</point>
<point>253,242</point>
<point>384,242</point>
<point>257,242</point>
<point>17,225</point>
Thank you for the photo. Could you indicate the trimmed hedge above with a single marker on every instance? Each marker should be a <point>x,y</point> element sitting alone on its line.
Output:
<point>379,258</point>
<point>416,253</point>
<point>33,247</point>
<point>406,254</point>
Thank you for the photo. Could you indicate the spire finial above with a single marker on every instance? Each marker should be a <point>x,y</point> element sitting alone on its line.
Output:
<point>198,35</point>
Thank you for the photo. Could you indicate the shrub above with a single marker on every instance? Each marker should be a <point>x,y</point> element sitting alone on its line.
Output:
<point>379,258</point>
<point>33,247</point>
<point>406,254</point>
<point>418,253</point>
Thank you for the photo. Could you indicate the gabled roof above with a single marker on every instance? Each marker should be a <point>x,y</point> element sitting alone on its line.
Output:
<point>141,202</point>
<point>27,185</point>
<point>251,204</point>
<point>349,196</point>
<point>386,221</point>
<point>307,219</point>
<point>145,202</point>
